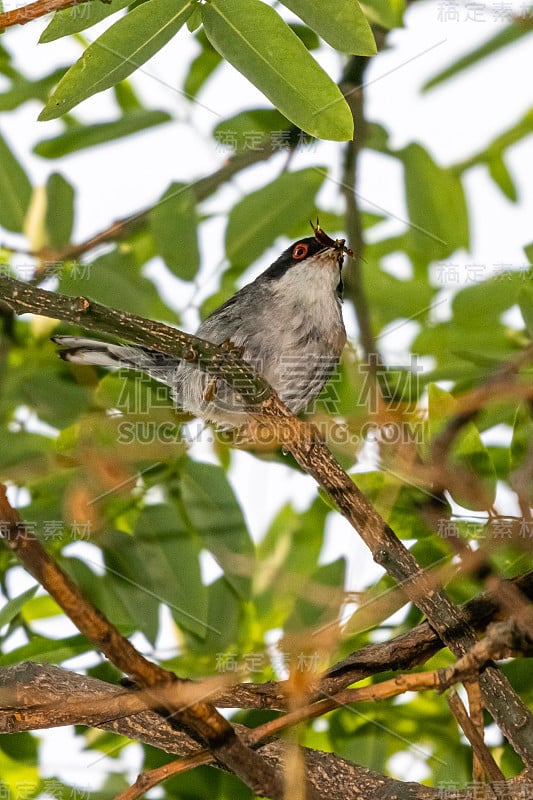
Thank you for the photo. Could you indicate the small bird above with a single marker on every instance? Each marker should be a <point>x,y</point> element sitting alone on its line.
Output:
<point>287,324</point>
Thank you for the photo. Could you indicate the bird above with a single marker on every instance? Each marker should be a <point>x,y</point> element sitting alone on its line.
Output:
<point>287,325</point>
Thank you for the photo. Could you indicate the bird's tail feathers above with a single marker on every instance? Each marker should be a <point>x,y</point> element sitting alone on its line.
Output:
<point>81,350</point>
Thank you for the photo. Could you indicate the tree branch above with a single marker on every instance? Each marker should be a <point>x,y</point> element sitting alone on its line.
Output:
<point>514,719</point>
<point>352,88</point>
<point>57,689</point>
<point>470,731</point>
<point>24,14</point>
<point>23,298</point>
<point>402,652</point>
<point>197,717</point>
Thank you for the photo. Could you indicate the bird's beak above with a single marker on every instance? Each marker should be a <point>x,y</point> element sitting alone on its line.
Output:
<point>339,245</point>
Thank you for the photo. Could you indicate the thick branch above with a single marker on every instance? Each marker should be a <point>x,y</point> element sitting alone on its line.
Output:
<point>332,777</point>
<point>511,715</point>
<point>24,298</point>
<point>402,652</point>
<point>514,719</point>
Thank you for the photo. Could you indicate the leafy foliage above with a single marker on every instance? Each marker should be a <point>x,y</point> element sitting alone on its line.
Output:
<point>158,531</point>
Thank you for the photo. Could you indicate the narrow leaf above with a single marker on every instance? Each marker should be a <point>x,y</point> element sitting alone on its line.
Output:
<point>15,190</point>
<point>436,204</point>
<point>214,514</point>
<point>247,128</point>
<point>13,606</point>
<point>47,651</point>
<point>509,35</point>
<point>387,13</point>
<point>200,70</point>
<point>174,227</point>
<point>342,24</point>
<point>80,137</point>
<point>59,217</point>
<point>79,17</point>
<point>501,176</point>
<point>525,301</point>
<point>118,52</point>
<point>164,563</point>
<point>258,43</point>
<point>22,89</point>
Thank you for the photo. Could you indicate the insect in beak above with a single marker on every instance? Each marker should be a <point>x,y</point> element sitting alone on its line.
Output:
<point>325,240</point>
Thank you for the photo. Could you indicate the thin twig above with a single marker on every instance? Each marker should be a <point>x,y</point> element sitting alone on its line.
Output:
<point>478,745</point>
<point>24,14</point>
<point>352,88</point>
<point>126,226</point>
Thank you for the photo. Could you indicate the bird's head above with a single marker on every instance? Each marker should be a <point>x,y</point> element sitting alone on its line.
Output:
<point>318,255</point>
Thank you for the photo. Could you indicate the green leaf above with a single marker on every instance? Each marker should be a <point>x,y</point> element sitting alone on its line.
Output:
<point>525,301</point>
<point>481,305</point>
<point>391,298</point>
<point>79,137</point>
<point>15,190</point>
<point>342,24</point>
<point>173,221</point>
<point>203,65</point>
<point>21,747</point>
<point>126,97</point>
<point>222,621</point>
<point>113,279</point>
<point>291,547</point>
<point>59,217</point>
<point>469,449</point>
<point>195,20</point>
<point>306,35</point>
<point>436,204</point>
<point>271,211</point>
<point>108,592</point>
<point>29,451</point>
<point>387,13</point>
<point>47,651</point>
<point>79,17</point>
<point>23,89</point>
<point>321,599</point>
<point>258,43</point>
<point>522,436</point>
<point>214,513</point>
<point>464,351</point>
<point>13,606</point>
<point>40,381</point>
<point>509,35</point>
<point>501,176</point>
<point>118,52</point>
<point>163,562</point>
<point>441,406</point>
<point>248,128</point>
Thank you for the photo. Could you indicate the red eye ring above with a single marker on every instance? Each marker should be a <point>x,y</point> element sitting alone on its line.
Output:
<point>299,251</point>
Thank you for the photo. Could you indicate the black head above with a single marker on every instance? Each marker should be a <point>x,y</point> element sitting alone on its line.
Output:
<point>304,249</point>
